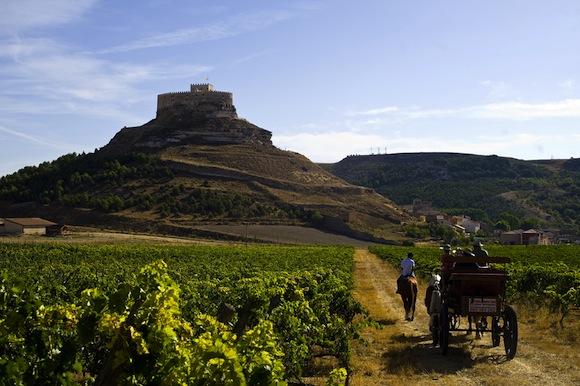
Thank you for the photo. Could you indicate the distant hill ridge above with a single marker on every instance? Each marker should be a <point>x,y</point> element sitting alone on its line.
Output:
<point>481,186</point>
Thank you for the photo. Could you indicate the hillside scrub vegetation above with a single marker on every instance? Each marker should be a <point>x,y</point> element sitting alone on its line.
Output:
<point>483,187</point>
<point>68,180</point>
<point>176,188</point>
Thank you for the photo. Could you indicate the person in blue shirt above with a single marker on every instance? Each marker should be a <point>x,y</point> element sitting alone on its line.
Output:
<point>408,269</point>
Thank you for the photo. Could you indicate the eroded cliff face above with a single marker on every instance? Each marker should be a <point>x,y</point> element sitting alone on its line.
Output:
<point>177,127</point>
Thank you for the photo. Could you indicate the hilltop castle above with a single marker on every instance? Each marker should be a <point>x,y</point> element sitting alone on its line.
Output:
<point>202,99</point>
<point>200,116</point>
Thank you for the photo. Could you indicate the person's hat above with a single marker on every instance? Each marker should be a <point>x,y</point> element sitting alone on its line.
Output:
<point>446,247</point>
<point>477,243</point>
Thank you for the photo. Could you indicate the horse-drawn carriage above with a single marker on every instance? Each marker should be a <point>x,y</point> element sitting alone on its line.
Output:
<point>478,292</point>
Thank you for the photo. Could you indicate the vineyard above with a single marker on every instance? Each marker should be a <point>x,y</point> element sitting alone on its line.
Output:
<point>545,275</point>
<point>203,315</point>
<point>209,315</point>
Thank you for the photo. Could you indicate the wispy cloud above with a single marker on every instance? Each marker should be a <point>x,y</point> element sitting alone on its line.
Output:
<point>21,15</point>
<point>335,144</point>
<point>568,84</point>
<point>31,138</point>
<point>378,111</point>
<point>230,27</point>
<point>42,76</point>
<point>497,89</point>
<point>254,56</point>
<point>505,110</point>
<point>524,111</point>
<point>338,145</point>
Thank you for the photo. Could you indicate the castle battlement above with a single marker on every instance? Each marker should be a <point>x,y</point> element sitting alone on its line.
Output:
<point>201,98</point>
<point>200,87</point>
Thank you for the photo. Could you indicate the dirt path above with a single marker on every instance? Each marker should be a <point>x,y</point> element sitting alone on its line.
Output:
<point>402,351</point>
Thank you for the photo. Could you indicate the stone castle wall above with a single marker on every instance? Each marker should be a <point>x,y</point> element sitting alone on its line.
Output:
<point>183,117</point>
<point>201,98</point>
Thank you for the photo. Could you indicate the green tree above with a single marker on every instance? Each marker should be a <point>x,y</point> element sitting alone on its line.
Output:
<point>317,218</point>
<point>413,230</point>
<point>530,223</point>
<point>503,225</point>
<point>511,219</point>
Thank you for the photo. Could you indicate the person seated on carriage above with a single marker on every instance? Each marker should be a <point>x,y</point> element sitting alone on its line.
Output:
<point>408,269</point>
<point>465,253</point>
<point>446,265</point>
<point>478,251</point>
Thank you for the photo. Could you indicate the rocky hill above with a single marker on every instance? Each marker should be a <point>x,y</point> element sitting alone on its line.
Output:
<point>185,169</point>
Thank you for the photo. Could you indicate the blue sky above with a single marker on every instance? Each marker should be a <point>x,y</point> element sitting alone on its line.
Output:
<point>328,78</point>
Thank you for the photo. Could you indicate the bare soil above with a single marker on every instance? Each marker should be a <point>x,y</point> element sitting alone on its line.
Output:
<point>285,234</point>
<point>402,352</point>
<point>90,236</point>
<point>253,233</point>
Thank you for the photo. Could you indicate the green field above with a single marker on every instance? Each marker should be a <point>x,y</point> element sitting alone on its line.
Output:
<point>148,314</point>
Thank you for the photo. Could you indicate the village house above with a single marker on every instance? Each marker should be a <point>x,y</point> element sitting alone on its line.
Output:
<point>467,223</point>
<point>25,225</point>
<point>521,237</point>
<point>435,218</point>
<point>445,220</point>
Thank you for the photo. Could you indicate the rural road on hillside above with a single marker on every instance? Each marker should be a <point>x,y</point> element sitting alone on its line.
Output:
<point>402,352</point>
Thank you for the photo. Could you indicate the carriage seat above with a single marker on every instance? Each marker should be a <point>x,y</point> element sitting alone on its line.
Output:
<point>477,282</point>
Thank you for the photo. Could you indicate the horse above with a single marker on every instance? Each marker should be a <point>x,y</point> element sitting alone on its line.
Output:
<point>433,299</point>
<point>434,285</point>
<point>408,290</point>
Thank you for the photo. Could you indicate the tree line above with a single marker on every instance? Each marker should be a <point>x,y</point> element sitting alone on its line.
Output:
<point>135,181</point>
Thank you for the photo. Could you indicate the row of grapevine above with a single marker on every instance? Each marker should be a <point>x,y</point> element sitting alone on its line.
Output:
<point>73,314</point>
<point>540,273</point>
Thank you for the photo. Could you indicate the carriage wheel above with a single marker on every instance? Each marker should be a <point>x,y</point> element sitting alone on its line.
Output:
<point>444,328</point>
<point>435,329</point>
<point>495,331</point>
<point>510,332</point>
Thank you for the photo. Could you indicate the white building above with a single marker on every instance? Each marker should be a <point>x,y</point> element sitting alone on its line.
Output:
<point>467,223</point>
<point>25,225</point>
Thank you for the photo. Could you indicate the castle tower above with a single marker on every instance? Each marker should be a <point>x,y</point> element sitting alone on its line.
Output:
<point>202,100</point>
<point>202,87</point>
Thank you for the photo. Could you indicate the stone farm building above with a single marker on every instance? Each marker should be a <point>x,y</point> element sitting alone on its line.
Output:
<point>523,237</point>
<point>25,225</point>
